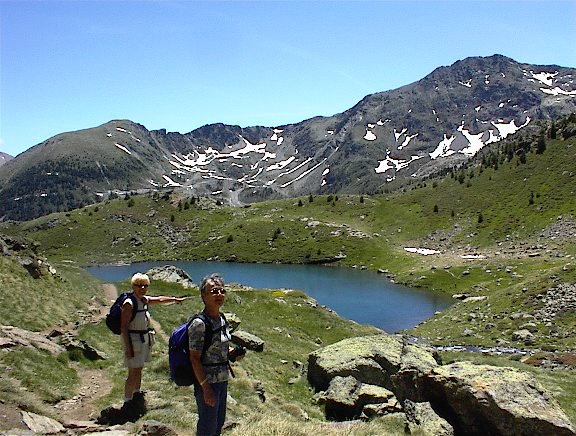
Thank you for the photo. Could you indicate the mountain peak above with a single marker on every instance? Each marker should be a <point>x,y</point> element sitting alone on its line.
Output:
<point>386,140</point>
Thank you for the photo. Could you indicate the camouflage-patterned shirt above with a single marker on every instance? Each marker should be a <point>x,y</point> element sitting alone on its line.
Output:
<point>217,352</point>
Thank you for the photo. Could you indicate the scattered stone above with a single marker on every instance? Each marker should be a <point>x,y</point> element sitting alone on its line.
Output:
<point>479,399</point>
<point>460,296</point>
<point>248,340</point>
<point>346,399</point>
<point>530,326</point>
<point>41,424</point>
<point>84,426</point>
<point>155,428</point>
<point>17,432</point>
<point>523,336</point>
<point>14,336</point>
<point>472,299</point>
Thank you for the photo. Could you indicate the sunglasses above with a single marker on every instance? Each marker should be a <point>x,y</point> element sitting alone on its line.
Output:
<point>141,286</point>
<point>215,291</point>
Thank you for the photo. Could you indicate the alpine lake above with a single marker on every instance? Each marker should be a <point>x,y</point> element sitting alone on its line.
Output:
<point>363,296</point>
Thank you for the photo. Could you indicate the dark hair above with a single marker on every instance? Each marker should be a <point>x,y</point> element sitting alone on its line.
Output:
<point>212,279</point>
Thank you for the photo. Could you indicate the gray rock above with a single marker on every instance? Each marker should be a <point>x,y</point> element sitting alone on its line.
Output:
<point>13,336</point>
<point>347,398</point>
<point>369,359</point>
<point>476,400</point>
<point>171,274</point>
<point>41,424</point>
<point>248,340</point>
<point>17,432</point>
<point>155,428</point>
<point>423,420</point>
<point>523,336</point>
<point>480,400</point>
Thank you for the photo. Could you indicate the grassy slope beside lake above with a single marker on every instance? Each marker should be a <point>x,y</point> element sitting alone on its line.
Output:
<point>509,215</point>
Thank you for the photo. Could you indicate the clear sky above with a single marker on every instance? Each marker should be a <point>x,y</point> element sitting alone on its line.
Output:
<point>178,65</point>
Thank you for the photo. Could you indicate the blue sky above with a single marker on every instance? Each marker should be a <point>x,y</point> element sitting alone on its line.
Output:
<point>178,65</point>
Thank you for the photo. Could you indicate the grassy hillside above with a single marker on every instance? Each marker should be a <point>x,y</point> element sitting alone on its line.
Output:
<point>513,212</point>
<point>517,212</point>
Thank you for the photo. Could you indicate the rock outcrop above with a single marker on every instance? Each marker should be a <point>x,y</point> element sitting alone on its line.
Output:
<point>248,340</point>
<point>171,274</point>
<point>11,336</point>
<point>475,400</point>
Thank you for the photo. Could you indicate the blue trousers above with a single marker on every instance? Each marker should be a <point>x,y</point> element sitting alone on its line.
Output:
<point>211,419</point>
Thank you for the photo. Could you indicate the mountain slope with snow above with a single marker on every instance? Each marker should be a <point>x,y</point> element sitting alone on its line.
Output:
<point>385,141</point>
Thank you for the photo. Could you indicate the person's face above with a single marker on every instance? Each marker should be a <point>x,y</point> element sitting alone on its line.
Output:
<point>140,288</point>
<point>215,295</point>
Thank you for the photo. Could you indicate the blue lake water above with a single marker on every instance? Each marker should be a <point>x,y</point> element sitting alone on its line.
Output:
<point>363,296</point>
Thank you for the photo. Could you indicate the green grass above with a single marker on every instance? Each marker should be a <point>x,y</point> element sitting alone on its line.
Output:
<point>371,231</point>
<point>51,379</point>
<point>51,300</point>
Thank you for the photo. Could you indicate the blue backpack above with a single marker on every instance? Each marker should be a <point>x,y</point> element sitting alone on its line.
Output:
<point>115,313</point>
<point>181,371</point>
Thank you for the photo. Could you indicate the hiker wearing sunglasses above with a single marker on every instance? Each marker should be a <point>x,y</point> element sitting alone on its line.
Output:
<point>137,336</point>
<point>210,363</point>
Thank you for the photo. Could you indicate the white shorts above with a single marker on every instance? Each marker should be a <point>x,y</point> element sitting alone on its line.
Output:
<point>142,350</point>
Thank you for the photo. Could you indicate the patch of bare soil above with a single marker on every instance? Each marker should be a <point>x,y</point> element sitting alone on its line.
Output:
<point>10,417</point>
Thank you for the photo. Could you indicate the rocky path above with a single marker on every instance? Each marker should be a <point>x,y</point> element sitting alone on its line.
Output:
<point>94,384</point>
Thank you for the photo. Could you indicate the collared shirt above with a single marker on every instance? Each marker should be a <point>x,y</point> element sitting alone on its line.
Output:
<point>217,352</point>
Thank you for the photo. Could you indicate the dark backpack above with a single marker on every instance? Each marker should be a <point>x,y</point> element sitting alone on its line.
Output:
<point>115,313</point>
<point>181,371</point>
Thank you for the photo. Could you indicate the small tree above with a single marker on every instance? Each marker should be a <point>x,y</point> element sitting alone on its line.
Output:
<point>541,145</point>
<point>435,208</point>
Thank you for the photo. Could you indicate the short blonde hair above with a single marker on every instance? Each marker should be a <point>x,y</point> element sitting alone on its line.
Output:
<point>140,279</point>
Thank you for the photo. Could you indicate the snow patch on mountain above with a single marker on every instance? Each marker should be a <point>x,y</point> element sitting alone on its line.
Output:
<point>394,164</point>
<point>121,147</point>
<point>475,142</point>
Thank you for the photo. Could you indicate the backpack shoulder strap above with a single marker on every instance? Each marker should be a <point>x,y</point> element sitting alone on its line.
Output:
<point>134,301</point>
<point>207,330</point>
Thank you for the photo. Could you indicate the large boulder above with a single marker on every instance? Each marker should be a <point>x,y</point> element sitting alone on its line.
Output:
<point>369,359</point>
<point>11,336</point>
<point>346,398</point>
<point>248,340</point>
<point>421,419</point>
<point>171,274</point>
<point>482,400</point>
<point>476,400</point>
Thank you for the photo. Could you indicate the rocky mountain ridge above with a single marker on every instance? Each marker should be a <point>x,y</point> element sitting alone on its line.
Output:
<point>4,157</point>
<point>384,142</point>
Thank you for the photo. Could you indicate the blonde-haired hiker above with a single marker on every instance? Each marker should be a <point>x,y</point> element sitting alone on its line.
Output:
<point>137,336</point>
